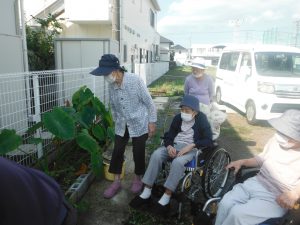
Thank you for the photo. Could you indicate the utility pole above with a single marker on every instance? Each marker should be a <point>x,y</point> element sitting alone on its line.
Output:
<point>236,29</point>
<point>297,32</point>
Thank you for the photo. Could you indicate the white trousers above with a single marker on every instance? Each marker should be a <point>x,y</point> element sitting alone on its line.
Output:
<point>248,203</point>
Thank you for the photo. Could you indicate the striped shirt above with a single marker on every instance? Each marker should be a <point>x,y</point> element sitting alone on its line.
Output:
<point>131,106</point>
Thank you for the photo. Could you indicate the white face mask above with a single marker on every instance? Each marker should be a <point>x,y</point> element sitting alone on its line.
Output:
<point>110,78</point>
<point>186,117</point>
<point>283,141</point>
<point>198,75</point>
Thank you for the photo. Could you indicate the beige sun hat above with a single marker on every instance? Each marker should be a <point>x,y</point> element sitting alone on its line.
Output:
<point>288,124</point>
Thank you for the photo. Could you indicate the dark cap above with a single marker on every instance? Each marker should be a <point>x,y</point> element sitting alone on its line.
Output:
<point>107,64</point>
<point>191,102</point>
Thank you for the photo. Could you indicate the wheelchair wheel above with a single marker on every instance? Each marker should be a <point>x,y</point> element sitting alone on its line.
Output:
<point>215,175</point>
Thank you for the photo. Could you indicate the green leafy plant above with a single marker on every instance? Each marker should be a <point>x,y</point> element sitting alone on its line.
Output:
<point>87,122</point>
<point>40,42</point>
<point>9,141</point>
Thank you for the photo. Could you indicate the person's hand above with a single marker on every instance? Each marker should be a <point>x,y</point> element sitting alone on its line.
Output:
<point>151,129</point>
<point>236,165</point>
<point>171,151</point>
<point>288,199</point>
<point>184,150</point>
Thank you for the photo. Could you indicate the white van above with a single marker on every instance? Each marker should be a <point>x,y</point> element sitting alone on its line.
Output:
<point>260,80</point>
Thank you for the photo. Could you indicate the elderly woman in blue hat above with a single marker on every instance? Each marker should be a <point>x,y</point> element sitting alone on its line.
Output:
<point>199,84</point>
<point>135,116</point>
<point>276,188</point>
<point>189,131</point>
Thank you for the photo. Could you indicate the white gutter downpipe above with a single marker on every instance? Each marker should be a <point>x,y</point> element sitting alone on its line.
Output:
<point>120,29</point>
<point>24,42</point>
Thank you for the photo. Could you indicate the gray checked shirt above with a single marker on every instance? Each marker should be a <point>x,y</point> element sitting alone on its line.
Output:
<point>131,105</point>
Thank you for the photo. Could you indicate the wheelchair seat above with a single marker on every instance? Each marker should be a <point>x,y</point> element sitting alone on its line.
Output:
<point>192,165</point>
<point>197,160</point>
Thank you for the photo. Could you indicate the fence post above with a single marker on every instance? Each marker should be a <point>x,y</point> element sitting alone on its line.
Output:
<point>37,111</point>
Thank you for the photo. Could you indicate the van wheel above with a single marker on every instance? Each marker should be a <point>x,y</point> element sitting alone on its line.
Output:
<point>219,96</point>
<point>251,113</point>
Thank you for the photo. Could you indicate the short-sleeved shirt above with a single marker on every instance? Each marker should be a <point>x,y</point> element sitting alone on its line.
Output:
<point>280,168</point>
<point>186,135</point>
<point>132,106</point>
<point>203,89</point>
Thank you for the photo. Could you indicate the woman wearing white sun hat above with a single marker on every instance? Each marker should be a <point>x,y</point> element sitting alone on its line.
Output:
<point>199,84</point>
<point>276,188</point>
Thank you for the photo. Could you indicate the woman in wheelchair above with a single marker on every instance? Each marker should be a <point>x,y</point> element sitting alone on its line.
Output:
<point>189,131</point>
<point>276,188</point>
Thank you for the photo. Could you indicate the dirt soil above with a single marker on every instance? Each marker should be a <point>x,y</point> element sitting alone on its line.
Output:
<point>242,140</point>
<point>239,138</point>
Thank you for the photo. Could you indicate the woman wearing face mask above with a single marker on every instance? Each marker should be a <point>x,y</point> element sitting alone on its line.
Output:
<point>134,114</point>
<point>199,84</point>
<point>276,188</point>
<point>189,131</point>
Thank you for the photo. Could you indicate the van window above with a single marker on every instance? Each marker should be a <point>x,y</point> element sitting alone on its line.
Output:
<point>246,59</point>
<point>229,61</point>
<point>246,64</point>
<point>281,64</point>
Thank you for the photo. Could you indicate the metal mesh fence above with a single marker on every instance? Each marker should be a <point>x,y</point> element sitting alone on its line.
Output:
<point>25,97</point>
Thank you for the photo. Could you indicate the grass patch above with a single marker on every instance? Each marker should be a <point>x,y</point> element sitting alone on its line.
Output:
<point>172,83</point>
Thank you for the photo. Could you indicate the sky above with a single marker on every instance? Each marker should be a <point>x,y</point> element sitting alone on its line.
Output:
<point>188,22</point>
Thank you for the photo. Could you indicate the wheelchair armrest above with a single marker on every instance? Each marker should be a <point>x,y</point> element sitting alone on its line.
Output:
<point>245,172</point>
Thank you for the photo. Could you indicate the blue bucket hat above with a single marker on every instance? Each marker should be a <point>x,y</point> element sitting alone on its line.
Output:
<point>107,64</point>
<point>191,102</point>
<point>288,124</point>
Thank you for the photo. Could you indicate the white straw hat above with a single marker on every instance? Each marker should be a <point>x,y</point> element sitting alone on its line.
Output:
<point>198,63</point>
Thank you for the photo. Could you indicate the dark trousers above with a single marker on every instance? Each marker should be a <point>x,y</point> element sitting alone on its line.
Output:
<point>138,149</point>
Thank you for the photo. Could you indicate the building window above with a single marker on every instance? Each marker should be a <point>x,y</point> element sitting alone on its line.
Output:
<point>141,55</point>
<point>147,56</point>
<point>125,53</point>
<point>152,18</point>
<point>156,52</point>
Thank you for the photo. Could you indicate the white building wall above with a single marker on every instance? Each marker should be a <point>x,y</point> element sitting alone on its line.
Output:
<point>82,52</point>
<point>137,33</point>
<point>86,30</point>
<point>11,61</point>
<point>165,52</point>
<point>87,10</point>
<point>181,58</point>
<point>11,51</point>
